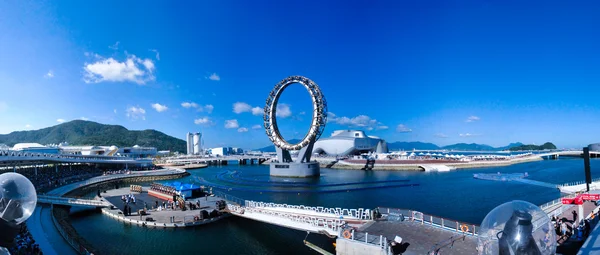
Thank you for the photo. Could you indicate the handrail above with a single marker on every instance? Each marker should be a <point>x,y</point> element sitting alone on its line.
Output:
<point>435,221</point>
<point>78,247</point>
<point>360,213</point>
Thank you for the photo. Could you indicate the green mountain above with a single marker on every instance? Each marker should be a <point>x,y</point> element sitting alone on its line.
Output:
<point>80,132</point>
<point>409,146</point>
<point>531,147</point>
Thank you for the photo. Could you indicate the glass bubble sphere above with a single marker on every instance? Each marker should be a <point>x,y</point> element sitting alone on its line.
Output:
<point>18,197</point>
<point>519,227</point>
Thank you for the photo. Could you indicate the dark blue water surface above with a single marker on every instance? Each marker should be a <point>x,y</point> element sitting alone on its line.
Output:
<point>455,195</point>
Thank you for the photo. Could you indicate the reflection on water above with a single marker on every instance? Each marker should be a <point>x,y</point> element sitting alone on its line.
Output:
<point>456,195</point>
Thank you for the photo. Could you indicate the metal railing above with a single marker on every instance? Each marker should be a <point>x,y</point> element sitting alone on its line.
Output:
<point>577,183</point>
<point>70,201</point>
<point>360,213</point>
<point>79,248</point>
<point>435,221</point>
<point>319,222</point>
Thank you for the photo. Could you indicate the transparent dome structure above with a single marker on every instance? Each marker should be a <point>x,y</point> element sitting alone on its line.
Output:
<point>18,197</point>
<point>517,227</point>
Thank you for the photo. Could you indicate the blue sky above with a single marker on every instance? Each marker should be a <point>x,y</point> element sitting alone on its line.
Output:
<point>445,72</point>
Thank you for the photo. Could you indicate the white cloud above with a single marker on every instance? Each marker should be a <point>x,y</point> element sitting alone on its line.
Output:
<point>240,107</point>
<point>258,111</point>
<point>256,126</point>
<point>115,111</point>
<point>283,111</point>
<point>472,119</point>
<point>132,69</point>
<point>242,129</point>
<point>302,113</point>
<point>440,135</point>
<point>214,77</point>
<point>203,121</point>
<point>362,121</point>
<point>114,46</point>
<point>157,53</point>
<point>135,113</point>
<point>189,105</point>
<point>468,135</point>
<point>60,120</point>
<point>27,126</point>
<point>159,107</point>
<point>49,74</point>
<point>84,118</point>
<point>232,124</point>
<point>209,108</point>
<point>403,129</point>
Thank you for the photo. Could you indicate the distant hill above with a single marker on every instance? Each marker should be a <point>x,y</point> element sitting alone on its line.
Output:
<point>80,132</point>
<point>531,147</point>
<point>409,146</point>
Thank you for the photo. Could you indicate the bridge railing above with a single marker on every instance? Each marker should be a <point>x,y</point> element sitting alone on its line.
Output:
<point>232,199</point>
<point>576,183</point>
<point>435,221</point>
<point>79,248</point>
<point>319,222</point>
<point>360,213</point>
<point>72,201</point>
<point>375,240</point>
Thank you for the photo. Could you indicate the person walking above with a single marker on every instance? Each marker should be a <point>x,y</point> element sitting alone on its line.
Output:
<point>564,228</point>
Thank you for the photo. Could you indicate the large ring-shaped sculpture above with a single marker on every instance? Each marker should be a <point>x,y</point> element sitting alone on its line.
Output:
<point>319,118</point>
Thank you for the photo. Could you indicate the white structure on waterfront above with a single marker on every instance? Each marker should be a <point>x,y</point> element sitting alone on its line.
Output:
<point>349,142</point>
<point>35,148</point>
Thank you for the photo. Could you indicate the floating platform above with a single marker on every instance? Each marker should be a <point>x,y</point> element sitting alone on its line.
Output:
<point>159,218</point>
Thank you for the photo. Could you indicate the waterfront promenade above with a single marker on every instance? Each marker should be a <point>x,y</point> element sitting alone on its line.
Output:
<point>37,228</point>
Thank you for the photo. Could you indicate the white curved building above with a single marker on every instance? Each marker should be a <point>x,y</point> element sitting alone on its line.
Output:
<point>349,142</point>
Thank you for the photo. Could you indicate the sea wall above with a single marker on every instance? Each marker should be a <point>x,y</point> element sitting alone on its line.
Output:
<point>60,214</point>
<point>415,167</point>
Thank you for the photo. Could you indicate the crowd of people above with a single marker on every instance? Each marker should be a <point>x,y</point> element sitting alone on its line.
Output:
<point>163,189</point>
<point>24,243</point>
<point>45,178</point>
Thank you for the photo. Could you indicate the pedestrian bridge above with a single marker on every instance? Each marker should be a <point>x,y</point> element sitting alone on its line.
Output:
<point>322,220</point>
<point>14,158</point>
<point>56,200</point>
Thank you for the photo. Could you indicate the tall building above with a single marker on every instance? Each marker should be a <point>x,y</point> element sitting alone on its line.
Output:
<point>190,143</point>
<point>197,143</point>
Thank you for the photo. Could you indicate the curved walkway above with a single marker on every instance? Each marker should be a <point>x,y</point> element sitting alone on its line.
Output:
<point>34,223</point>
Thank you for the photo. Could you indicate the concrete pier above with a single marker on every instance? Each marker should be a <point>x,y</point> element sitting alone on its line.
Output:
<point>163,218</point>
<point>293,169</point>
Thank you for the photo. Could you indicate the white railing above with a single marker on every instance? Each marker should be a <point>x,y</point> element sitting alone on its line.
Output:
<point>577,183</point>
<point>361,213</point>
<point>319,222</point>
<point>70,201</point>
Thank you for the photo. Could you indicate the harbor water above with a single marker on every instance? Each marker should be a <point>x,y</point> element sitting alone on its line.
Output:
<point>455,195</point>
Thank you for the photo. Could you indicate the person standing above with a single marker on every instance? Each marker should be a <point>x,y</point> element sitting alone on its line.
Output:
<point>574,217</point>
<point>564,228</point>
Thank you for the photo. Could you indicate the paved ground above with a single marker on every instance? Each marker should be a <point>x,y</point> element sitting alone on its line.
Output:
<point>114,197</point>
<point>420,239</point>
<point>572,245</point>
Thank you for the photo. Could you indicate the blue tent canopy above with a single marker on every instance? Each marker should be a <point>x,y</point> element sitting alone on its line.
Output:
<point>182,186</point>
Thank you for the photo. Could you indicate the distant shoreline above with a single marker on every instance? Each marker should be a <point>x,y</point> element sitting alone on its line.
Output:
<point>342,165</point>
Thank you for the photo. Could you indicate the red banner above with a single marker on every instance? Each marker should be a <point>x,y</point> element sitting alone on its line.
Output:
<point>590,196</point>
<point>567,201</point>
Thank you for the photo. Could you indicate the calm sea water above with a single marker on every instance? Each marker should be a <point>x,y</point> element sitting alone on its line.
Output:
<point>455,195</point>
